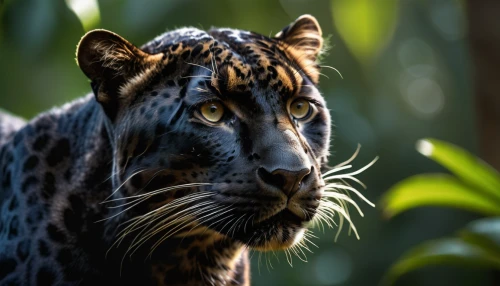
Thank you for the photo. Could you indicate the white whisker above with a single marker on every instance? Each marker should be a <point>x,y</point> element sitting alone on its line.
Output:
<point>162,190</point>
<point>336,170</point>
<point>122,184</point>
<point>340,186</point>
<point>115,215</point>
<point>334,70</point>
<point>196,76</point>
<point>193,64</point>
<point>336,196</point>
<point>341,198</point>
<point>353,173</point>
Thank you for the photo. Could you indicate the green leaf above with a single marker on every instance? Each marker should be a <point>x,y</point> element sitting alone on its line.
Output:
<point>484,233</point>
<point>453,251</point>
<point>467,167</point>
<point>87,12</point>
<point>436,190</point>
<point>365,25</point>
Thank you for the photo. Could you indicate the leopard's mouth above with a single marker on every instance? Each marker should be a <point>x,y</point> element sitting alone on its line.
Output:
<point>285,216</point>
<point>298,209</point>
<point>278,231</point>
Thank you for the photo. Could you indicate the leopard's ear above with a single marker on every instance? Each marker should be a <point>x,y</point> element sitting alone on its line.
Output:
<point>109,61</point>
<point>303,40</point>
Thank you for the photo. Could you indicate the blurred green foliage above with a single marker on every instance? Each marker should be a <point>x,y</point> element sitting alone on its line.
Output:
<point>406,75</point>
<point>365,25</point>
<point>476,188</point>
<point>87,12</point>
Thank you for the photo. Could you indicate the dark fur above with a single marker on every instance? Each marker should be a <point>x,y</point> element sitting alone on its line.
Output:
<point>57,169</point>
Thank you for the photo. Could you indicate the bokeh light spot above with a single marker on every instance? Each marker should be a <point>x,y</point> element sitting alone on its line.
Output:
<point>333,267</point>
<point>417,57</point>
<point>425,147</point>
<point>448,19</point>
<point>425,96</point>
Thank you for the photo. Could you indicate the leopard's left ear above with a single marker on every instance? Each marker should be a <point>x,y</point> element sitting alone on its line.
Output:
<point>110,61</point>
<point>303,40</point>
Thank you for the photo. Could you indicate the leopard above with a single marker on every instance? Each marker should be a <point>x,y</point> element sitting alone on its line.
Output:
<point>189,152</point>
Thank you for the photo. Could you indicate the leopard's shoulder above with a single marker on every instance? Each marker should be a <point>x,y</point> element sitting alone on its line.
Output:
<point>9,124</point>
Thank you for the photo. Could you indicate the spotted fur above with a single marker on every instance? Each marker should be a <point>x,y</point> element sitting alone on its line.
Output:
<point>82,192</point>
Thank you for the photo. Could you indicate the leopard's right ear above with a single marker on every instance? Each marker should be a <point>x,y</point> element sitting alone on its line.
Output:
<point>110,61</point>
<point>303,41</point>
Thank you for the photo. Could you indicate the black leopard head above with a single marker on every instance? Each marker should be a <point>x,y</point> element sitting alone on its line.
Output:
<point>221,132</point>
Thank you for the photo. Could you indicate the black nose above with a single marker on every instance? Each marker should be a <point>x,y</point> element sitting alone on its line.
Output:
<point>286,180</point>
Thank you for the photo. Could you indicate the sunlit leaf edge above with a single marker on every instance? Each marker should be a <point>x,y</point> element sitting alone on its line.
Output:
<point>452,251</point>
<point>463,164</point>
<point>436,190</point>
<point>483,232</point>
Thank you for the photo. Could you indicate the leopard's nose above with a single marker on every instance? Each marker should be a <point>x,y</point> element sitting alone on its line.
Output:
<point>288,181</point>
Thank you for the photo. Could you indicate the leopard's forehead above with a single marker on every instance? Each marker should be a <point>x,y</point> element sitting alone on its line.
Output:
<point>239,60</point>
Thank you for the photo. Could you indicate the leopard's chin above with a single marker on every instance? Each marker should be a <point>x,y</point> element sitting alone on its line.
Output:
<point>289,230</point>
<point>276,242</point>
<point>278,232</point>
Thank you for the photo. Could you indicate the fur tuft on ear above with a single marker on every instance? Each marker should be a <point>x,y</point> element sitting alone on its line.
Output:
<point>303,40</point>
<point>110,61</point>
<point>103,55</point>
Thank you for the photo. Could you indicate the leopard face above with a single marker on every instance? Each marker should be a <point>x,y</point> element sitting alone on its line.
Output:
<point>192,149</point>
<point>222,131</point>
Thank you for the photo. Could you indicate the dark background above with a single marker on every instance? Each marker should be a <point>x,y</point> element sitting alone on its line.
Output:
<point>406,68</point>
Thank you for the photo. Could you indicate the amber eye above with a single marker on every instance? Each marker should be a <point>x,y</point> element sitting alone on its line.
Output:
<point>300,109</point>
<point>212,111</point>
